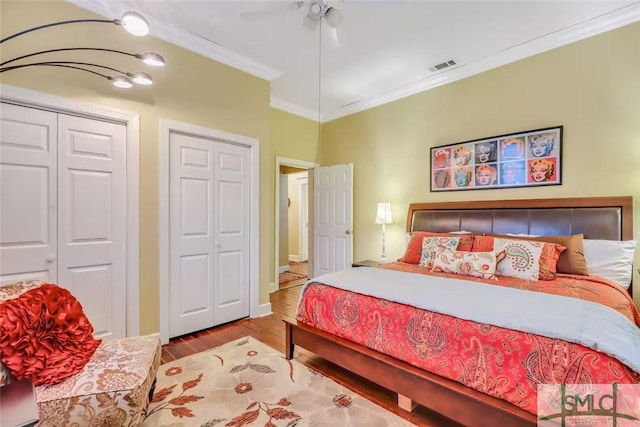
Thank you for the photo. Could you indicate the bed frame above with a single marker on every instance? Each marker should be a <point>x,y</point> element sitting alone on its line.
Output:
<point>597,218</point>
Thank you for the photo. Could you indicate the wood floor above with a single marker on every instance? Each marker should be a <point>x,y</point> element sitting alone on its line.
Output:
<point>270,330</point>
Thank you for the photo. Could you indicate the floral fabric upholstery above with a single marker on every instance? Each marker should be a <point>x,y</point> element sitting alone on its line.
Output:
<point>112,389</point>
<point>431,245</point>
<point>476,264</point>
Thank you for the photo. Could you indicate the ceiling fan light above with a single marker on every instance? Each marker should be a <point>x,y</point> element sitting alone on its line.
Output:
<point>122,82</point>
<point>135,24</point>
<point>142,79</point>
<point>153,59</point>
<point>316,9</point>
<point>333,17</point>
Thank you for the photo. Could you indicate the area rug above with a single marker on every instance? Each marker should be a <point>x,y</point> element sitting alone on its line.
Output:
<point>288,276</point>
<point>247,383</point>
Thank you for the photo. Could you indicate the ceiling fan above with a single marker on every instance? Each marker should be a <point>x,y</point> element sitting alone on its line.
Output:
<point>317,11</point>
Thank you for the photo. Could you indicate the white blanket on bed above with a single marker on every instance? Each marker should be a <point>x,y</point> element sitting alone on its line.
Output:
<point>588,323</point>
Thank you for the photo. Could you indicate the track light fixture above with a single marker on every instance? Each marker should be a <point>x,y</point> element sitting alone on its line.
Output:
<point>132,22</point>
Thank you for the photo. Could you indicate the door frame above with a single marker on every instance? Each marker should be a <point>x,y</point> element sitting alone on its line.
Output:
<point>166,127</point>
<point>303,195</point>
<point>34,99</point>
<point>295,163</point>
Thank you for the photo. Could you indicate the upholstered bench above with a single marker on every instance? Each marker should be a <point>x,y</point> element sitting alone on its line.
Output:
<point>113,388</point>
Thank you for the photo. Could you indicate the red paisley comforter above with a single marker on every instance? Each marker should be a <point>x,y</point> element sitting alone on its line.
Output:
<point>503,363</point>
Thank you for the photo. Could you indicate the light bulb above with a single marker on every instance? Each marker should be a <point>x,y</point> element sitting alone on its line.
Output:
<point>153,59</point>
<point>122,82</point>
<point>135,24</point>
<point>142,79</point>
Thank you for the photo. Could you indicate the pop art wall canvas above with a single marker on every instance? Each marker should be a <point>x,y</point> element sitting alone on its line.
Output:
<point>522,159</point>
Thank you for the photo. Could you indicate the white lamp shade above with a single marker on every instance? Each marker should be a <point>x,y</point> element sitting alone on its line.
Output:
<point>135,24</point>
<point>383,215</point>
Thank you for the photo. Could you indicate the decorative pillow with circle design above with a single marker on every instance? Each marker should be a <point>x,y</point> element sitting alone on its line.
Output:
<point>475,264</point>
<point>431,245</point>
<point>548,258</point>
<point>521,258</point>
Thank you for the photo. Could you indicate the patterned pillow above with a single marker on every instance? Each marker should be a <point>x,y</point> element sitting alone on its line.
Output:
<point>413,252</point>
<point>431,245</point>
<point>548,259</point>
<point>521,258</point>
<point>476,264</point>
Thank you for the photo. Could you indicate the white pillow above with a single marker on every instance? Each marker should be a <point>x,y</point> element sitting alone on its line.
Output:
<point>460,232</point>
<point>611,259</point>
<point>522,235</point>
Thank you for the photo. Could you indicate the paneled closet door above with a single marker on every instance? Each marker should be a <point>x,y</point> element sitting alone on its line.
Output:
<point>92,219</point>
<point>209,194</point>
<point>28,194</point>
<point>191,186</point>
<point>231,232</point>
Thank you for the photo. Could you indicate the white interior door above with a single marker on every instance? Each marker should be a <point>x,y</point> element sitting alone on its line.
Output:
<point>92,219</point>
<point>304,218</point>
<point>28,194</point>
<point>231,232</point>
<point>333,218</point>
<point>191,195</point>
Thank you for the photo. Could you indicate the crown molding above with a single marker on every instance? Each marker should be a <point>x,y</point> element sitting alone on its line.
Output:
<point>289,107</point>
<point>600,24</point>
<point>185,40</point>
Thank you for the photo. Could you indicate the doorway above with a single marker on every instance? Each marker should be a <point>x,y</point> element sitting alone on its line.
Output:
<point>292,234</point>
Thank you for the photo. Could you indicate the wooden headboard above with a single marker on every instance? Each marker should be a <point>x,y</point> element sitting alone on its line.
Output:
<point>608,218</point>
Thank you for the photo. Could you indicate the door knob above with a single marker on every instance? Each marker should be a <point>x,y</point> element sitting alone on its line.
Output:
<point>50,258</point>
<point>347,232</point>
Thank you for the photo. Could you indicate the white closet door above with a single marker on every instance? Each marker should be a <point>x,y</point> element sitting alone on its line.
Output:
<point>231,232</point>
<point>28,223</point>
<point>191,215</point>
<point>92,219</point>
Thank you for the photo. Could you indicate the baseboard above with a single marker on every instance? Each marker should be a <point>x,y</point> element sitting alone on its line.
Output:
<point>264,309</point>
<point>272,287</point>
<point>283,268</point>
<point>295,258</point>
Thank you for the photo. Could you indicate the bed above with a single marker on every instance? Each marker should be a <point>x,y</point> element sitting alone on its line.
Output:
<point>607,218</point>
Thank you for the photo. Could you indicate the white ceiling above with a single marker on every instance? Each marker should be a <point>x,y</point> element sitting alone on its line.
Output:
<point>385,47</point>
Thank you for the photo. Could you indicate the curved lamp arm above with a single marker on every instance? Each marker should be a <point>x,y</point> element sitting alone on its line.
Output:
<point>138,77</point>
<point>133,22</point>
<point>158,60</point>
<point>118,81</point>
<point>73,21</point>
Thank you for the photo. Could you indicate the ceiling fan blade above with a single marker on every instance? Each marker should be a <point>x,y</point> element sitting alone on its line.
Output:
<point>332,34</point>
<point>273,9</point>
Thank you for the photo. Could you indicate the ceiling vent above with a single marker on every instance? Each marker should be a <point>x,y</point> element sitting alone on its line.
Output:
<point>442,66</point>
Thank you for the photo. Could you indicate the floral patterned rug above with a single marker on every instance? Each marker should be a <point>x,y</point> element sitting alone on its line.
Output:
<point>247,383</point>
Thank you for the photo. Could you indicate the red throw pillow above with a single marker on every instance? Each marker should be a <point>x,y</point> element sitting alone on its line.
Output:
<point>45,335</point>
<point>548,258</point>
<point>413,253</point>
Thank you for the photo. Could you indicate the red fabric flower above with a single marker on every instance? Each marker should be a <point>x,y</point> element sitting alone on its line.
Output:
<point>45,335</point>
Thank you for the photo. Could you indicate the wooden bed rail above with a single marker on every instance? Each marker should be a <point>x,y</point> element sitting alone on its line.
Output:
<point>413,385</point>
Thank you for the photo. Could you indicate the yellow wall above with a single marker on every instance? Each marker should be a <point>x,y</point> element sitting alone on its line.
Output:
<point>191,88</point>
<point>294,217</point>
<point>592,87</point>
<point>293,137</point>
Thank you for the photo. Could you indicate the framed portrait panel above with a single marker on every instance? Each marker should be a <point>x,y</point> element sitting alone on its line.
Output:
<point>523,159</point>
